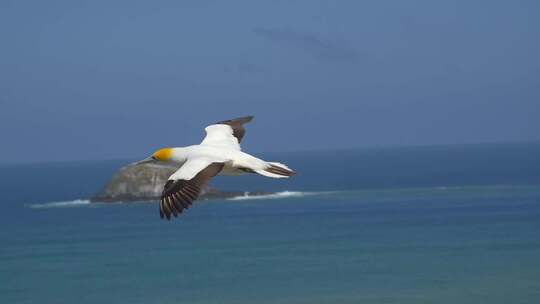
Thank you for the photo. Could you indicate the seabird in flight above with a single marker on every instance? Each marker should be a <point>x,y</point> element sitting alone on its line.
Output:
<point>218,153</point>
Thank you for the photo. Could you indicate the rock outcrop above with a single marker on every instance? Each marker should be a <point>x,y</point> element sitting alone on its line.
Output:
<point>145,183</point>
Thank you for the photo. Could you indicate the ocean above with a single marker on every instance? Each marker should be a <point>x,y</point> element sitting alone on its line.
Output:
<point>440,224</point>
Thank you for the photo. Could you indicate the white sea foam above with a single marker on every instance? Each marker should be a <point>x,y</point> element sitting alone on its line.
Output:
<point>277,195</point>
<point>73,203</point>
<point>246,196</point>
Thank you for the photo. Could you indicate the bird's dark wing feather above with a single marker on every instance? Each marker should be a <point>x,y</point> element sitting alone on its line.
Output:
<point>237,125</point>
<point>179,194</point>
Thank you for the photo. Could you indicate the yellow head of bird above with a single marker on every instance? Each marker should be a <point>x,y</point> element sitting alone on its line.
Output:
<point>164,154</point>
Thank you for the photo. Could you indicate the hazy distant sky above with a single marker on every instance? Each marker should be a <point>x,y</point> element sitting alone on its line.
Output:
<point>118,79</point>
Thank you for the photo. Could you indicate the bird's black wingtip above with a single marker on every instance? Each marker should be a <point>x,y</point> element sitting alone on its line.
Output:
<point>239,120</point>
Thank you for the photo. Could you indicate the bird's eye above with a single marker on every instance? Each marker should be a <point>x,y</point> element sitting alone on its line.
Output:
<point>153,157</point>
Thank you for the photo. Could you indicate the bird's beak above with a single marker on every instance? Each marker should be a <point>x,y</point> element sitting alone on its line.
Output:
<point>147,160</point>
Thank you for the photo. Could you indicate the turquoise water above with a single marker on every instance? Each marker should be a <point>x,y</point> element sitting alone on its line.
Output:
<point>421,238</point>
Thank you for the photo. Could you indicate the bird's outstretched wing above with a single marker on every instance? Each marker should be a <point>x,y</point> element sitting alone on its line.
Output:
<point>228,133</point>
<point>184,186</point>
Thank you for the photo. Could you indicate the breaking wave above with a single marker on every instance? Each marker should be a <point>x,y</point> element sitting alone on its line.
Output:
<point>73,203</point>
<point>246,196</point>
<point>277,195</point>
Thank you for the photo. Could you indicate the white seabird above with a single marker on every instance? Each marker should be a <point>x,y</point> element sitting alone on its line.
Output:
<point>218,153</point>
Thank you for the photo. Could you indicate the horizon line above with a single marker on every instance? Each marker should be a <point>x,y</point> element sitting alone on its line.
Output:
<point>37,162</point>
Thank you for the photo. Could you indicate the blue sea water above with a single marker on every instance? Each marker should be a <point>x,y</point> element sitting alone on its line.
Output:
<point>449,224</point>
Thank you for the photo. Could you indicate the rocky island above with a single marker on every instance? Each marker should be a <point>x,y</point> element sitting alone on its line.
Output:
<point>145,183</point>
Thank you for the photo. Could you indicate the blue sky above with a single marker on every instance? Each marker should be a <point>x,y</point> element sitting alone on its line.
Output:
<point>119,79</point>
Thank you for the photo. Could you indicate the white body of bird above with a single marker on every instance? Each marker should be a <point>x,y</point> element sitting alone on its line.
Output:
<point>193,159</point>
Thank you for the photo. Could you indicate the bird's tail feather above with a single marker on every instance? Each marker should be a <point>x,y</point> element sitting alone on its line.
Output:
<point>276,170</point>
